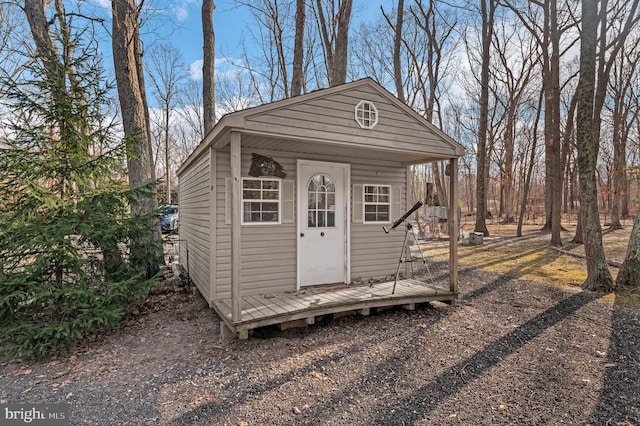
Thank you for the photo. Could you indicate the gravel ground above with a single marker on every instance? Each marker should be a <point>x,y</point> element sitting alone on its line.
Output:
<point>509,352</point>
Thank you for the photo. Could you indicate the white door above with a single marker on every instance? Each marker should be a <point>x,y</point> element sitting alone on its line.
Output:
<point>323,254</point>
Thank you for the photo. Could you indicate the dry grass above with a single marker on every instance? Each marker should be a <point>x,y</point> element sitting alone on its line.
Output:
<point>530,258</point>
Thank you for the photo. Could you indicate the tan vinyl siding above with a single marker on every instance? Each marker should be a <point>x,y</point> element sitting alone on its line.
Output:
<point>268,251</point>
<point>374,254</point>
<point>331,118</point>
<point>223,225</point>
<point>268,258</point>
<point>195,226</point>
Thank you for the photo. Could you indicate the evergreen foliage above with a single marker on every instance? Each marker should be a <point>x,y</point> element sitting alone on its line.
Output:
<point>66,270</point>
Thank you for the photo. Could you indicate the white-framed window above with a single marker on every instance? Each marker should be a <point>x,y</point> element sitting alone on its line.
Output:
<point>260,201</point>
<point>366,114</point>
<point>377,203</point>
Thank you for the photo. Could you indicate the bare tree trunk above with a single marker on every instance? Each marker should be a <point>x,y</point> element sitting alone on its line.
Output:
<point>551,75</point>
<point>488,8</point>
<point>297,77</point>
<point>566,150</point>
<point>623,115</point>
<point>469,183</point>
<point>565,190</point>
<point>397,41</point>
<point>624,207</point>
<point>574,187</point>
<point>127,58</point>
<point>507,204</point>
<point>336,46</point>
<point>556,199</point>
<point>277,30</point>
<point>604,71</point>
<point>39,26</point>
<point>619,166</point>
<point>598,275</point>
<point>630,270</point>
<point>342,44</point>
<point>208,65</point>
<point>549,44</point>
<point>548,119</point>
<point>489,189</point>
<point>439,181</point>
<point>532,159</point>
<point>126,49</point>
<point>142,87</point>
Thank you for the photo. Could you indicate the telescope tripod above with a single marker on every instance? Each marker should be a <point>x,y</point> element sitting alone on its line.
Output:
<point>406,252</point>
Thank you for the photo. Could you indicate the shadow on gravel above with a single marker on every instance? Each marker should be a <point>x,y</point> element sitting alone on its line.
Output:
<point>427,398</point>
<point>485,289</point>
<point>420,402</point>
<point>620,400</point>
<point>216,412</point>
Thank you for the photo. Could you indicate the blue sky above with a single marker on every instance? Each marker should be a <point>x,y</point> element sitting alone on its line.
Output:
<point>180,24</point>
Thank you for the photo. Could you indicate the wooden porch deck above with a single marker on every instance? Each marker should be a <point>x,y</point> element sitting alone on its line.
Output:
<point>312,302</point>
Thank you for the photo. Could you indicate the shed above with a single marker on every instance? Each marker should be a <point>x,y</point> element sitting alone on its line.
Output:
<point>288,196</point>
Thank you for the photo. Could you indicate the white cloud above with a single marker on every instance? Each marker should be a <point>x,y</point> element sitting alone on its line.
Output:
<point>181,12</point>
<point>195,69</point>
<point>105,4</point>
<point>180,9</point>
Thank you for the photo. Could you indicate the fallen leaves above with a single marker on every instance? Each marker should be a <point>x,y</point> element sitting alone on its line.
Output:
<point>22,371</point>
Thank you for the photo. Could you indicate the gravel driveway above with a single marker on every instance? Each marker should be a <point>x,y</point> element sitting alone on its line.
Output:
<point>509,352</point>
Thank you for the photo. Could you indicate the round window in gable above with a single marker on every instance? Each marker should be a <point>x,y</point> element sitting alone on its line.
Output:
<point>366,114</point>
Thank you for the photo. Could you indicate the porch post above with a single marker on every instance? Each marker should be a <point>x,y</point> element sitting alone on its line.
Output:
<point>453,225</point>
<point>236,217</point>
<point>407,203</point>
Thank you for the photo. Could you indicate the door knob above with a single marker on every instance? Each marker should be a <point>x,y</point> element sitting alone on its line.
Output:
<point>302,234</point>
<point>322,234</point>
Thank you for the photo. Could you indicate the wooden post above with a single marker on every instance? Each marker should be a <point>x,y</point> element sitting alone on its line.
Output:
<point>236,216</point>
<point>453,225</point>
<point>407,204</point>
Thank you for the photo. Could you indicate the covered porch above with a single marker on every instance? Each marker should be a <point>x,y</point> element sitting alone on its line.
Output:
<point>312,302</point>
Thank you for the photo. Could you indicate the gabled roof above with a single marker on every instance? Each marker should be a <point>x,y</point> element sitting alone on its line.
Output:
<point>326,118</point>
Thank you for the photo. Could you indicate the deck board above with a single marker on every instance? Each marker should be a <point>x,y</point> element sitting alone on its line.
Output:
<point>277,308</point>
<point>273,305</point>
<point>256,309</point>
<point>291,302</point>
<point>285,304</point>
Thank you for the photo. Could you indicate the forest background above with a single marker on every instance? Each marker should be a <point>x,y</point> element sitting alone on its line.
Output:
<point>543,94</point>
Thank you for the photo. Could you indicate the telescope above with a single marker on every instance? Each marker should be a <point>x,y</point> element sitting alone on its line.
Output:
<point>405,255</point>
<point>397,223</point>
